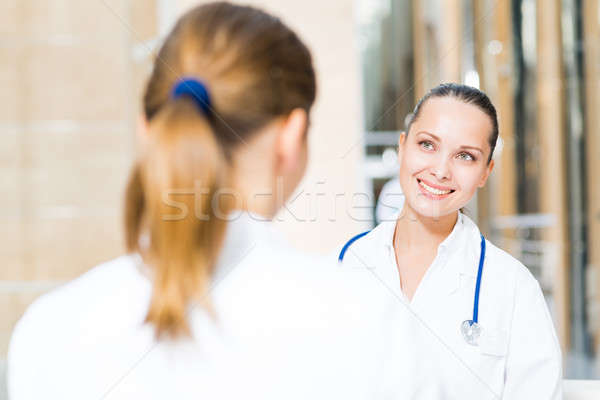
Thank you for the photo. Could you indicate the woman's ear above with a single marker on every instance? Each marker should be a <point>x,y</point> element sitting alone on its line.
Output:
<point>141,130</point>
<point>401,141</point>
<point>292,139</point>
<point>401,138</point>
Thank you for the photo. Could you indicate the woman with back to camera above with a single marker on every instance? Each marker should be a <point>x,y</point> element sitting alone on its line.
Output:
<point>210,303</point>
<point>484,313</point>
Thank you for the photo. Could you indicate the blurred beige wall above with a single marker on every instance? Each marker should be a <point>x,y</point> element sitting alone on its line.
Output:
<point>67,112</point>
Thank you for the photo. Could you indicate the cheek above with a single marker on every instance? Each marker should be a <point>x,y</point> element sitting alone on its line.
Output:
<point>413,163</point>
<point>468,179</point>
<point>405,171</point>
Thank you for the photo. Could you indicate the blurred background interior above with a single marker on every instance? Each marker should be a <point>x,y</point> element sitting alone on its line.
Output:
<point>72,74</point>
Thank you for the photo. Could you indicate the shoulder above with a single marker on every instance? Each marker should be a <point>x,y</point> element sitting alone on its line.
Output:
<point>515,292</point>
<point>500,266</point>
<point>69,304</point>
<point>526,289</point>
<point>279,267</point>
<point>119,274</point>
<point>364,244</point>
<point>505,278</point>
<point>80,310</point>
<point>503,264</point>
<point>281,283</point>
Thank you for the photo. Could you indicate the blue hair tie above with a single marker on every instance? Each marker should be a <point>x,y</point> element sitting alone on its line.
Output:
<point>194,89</point>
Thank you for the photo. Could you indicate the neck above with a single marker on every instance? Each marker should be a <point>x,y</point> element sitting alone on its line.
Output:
<point>415,231</point>
<point>253,194</point>
<point>252,178</point>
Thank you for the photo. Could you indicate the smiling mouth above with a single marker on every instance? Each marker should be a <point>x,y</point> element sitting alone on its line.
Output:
<point>434,191</point>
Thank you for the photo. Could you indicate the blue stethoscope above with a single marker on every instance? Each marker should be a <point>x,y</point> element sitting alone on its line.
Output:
<point>469,328</point>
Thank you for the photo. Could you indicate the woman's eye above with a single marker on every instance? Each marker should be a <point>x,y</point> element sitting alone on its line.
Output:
<point>466,157</point>
<point>427,145</point>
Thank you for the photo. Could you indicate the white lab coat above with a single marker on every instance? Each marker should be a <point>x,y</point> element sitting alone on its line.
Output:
<point>518,356</point>
<point>288,326</point>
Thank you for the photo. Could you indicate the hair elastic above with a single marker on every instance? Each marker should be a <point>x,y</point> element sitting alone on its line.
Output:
<point>194,89</point>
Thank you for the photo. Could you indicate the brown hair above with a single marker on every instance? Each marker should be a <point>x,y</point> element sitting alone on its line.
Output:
<point>255,69</point>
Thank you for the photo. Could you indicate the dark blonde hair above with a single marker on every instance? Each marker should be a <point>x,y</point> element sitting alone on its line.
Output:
<point>255,69</point>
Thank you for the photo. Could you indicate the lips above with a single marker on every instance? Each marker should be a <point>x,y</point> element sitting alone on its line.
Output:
<point>434,190</point>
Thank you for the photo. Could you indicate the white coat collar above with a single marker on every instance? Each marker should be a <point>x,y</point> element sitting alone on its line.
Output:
<point>451,243</point>
<point>463,257</point>
<point>459,252</point>
<point>244,232</point>
<point>471,248</point>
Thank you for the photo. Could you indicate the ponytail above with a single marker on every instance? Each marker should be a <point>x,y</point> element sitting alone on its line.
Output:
<point>212,88</point>
<point>170,198</point>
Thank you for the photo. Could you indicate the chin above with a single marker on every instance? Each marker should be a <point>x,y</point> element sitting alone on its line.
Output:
<point>431,208</point>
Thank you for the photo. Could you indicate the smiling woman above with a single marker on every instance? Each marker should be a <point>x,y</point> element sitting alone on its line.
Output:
<point>490,330</point>
<point>439,164</point>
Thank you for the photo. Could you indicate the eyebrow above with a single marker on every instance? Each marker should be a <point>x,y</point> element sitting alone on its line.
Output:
<point>461,147</point>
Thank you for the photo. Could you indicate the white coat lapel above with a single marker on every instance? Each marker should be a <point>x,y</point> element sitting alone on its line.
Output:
<point>463,261</point>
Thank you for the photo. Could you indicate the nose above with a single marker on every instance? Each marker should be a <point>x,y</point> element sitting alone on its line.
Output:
<point>441,169</point>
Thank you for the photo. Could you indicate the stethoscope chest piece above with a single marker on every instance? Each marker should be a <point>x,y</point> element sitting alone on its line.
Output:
<point>471,332</point>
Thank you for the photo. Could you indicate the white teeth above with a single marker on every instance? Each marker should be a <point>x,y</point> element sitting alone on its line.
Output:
<point>433,190</point>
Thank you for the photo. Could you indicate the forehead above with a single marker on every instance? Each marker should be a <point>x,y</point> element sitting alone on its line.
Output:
<point>452,119</point>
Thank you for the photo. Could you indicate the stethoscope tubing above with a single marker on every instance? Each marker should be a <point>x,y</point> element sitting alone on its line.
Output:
<point>479,269</point>
<point>478,284</point>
